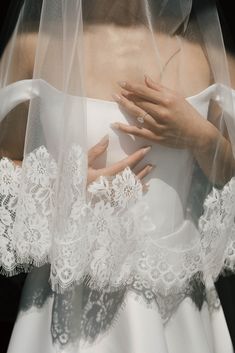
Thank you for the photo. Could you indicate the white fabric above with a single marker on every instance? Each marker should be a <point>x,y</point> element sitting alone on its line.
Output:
<point>53,218</point>
<point>109,236</point>
<point>145,244</point>
<point>138,328</point>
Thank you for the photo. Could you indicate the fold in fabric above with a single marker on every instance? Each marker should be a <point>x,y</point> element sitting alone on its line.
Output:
<point>109,235</point>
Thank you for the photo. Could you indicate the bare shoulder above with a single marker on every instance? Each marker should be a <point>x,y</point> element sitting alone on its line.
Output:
<point>21,51</point>
<point>231,67</point>
<point>195,66</point>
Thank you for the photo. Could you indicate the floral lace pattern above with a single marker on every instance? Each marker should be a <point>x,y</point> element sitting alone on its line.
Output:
<point>102,234</point>
<point>217,227</point>
<point>10,177</point>
<point>101,309</point>
<point>88,314</point>
<point>106,231</point>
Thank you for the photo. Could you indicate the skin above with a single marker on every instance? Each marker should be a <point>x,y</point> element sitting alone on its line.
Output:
<point>167,122</point>
<point>130,162</point>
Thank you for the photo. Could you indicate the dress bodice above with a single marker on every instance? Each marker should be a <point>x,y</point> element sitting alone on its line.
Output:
<point>169,181</point>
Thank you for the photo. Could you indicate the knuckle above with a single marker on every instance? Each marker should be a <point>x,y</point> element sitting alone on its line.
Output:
<point>167,101</point>
<point>164,114</point>
<point>136,130</point>
<point>138,111</point>
<point>139,88</point>
<point>148,116</point>
<point>123,127</point>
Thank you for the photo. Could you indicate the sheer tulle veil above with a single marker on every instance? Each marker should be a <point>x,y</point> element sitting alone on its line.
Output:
<point>104,235</point>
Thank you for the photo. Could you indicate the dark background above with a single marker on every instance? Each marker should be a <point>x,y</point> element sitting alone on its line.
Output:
<point>10,288</point>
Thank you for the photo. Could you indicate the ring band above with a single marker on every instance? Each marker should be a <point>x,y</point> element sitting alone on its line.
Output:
<point>141,118</point>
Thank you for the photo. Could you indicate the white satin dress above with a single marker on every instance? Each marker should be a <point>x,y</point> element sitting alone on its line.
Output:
<point>130,325</point>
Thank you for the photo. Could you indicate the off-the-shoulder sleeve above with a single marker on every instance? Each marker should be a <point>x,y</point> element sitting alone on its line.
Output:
<point>217,223</point>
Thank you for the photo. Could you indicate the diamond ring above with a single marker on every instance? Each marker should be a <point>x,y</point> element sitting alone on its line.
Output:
<point>141,118</point>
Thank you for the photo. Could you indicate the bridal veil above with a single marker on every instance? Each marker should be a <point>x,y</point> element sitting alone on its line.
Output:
<point>104,235</point>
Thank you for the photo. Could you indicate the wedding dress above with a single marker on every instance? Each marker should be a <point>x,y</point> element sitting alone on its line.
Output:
<point>133,319</point>
<point>112,269</point>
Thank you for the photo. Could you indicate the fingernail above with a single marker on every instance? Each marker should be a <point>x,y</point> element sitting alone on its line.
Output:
<point>150,167</point>
<point>116,97</point>
<point>122,84</point>
<point>147,77</point>
<point>146,188</point>
<point>104,140</point>
<point>115,125</point>
<point>147,149</point>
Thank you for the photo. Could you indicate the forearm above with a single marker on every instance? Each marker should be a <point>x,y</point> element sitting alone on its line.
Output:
<point>215,157</point>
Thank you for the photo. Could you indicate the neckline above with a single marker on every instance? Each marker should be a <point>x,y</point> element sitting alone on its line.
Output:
<point>195,96</point>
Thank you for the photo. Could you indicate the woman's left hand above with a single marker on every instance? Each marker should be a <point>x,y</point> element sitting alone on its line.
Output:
<point>164,117</point>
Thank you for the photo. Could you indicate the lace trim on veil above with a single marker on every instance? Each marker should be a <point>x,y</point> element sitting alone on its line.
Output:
<point>105,236</point>
<point>217,227</point>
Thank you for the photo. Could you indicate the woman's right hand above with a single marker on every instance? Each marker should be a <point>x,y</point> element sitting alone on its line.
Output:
<point>130,161</point>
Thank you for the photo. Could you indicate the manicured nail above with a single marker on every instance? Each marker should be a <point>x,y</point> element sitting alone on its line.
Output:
<point>148,78</point>
<point>115,125</point>
<point>104,140</point>
<point>122,84</point>
<point>146,149</point>
<point>146,187</point>
<point>116,97</point>
<point>150,167</point>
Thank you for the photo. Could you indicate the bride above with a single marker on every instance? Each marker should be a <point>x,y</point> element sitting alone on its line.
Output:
<point>143,87</point>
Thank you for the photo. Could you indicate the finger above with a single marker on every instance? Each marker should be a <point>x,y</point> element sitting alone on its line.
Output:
<point>137,112</point>
<point>98,149</point>
<point>155,85</point>
<point>156,112</point>
<point>142,91</point>
<point>130,161</point>
<point>139,132</point>
<point>145,171</point>
<point>145,188</point>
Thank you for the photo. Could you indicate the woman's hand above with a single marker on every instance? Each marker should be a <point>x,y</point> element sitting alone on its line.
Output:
<point>167,117</point>
<point>130,161</point>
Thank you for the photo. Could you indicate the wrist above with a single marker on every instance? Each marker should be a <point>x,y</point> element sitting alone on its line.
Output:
<point>208,139</point>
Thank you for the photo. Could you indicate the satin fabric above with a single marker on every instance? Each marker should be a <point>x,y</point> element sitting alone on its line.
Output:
<point>136,327</point>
